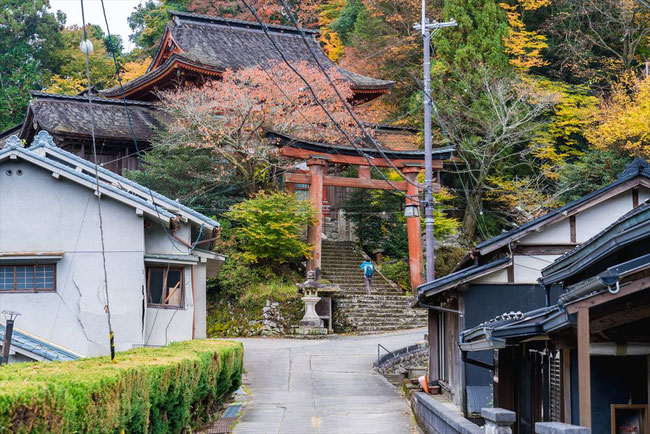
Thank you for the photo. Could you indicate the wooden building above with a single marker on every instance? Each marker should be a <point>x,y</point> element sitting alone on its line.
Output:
<point>501,275</point>
<point>585,359</point>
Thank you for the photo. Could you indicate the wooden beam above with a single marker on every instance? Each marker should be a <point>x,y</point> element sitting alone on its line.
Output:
<point>341,181</point>
<point>619,318</point>
<point>635,197</point>
<point>354,160</point>
<point>604,297</point>
<point>364,172</point>
<point>584,368</point>
<point>566,385</point>
<point>572,228</point>
<point>559,249</point>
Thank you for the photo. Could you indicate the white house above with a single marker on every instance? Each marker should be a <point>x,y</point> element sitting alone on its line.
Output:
<point>157,256</point>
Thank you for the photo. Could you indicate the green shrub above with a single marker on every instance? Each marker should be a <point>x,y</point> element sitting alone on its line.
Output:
<point>398,271</point>
<point>169,389</point>
<point>270,227</point>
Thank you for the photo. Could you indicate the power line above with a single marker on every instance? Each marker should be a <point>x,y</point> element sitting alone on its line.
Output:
<point>318,101</point>
<point>86,47</point>
<point>368,137</point>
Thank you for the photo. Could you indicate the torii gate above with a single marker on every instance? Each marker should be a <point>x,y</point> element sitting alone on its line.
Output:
<point>319,155</point>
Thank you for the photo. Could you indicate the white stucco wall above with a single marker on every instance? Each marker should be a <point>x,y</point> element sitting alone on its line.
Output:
<point>593,220</point>
<point>559,233</point>
<point>39,213</point>
<point>528,268</point>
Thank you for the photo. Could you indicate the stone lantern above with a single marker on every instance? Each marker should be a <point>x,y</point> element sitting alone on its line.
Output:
<point>310,324</point>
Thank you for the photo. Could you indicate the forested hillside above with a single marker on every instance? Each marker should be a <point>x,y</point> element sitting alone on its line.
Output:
<point>544,100</point>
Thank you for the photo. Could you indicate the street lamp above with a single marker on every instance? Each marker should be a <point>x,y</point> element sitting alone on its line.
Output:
<point>10,316</point>
<point>411,210</point>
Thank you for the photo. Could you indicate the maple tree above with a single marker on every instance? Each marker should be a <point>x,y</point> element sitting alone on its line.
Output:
<point>231,116</point>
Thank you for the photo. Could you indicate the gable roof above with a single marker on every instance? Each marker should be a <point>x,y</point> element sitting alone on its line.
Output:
<point>67,115</point>
<point>638,168</point>
<point>627,229</point>
<point>219,43</point>
<point>454,279</point>
<point>44,153</point>
<point>30,345</point>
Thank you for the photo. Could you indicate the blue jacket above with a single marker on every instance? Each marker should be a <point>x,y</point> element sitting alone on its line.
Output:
<point>367,268</point>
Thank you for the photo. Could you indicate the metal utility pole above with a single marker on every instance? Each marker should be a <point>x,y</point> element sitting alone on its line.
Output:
<point>425,27</point>
<point>9,329</point>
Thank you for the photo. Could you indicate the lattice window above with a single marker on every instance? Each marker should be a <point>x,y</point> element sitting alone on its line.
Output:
<point>28,277</point>
<point>555,386</point>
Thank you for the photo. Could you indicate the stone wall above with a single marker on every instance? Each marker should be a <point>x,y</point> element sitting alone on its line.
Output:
<point>400,360</point>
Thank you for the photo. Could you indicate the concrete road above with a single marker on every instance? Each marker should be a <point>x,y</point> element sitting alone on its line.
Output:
<point>323,386</point>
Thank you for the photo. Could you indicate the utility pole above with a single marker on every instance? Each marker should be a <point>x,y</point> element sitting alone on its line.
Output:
<point>425,28</point>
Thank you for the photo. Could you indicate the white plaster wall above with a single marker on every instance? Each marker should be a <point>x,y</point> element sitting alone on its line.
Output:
<point>528,268</point>
<point>559,233</point>
<point>499,276</point>
<point>200,302</point>
<point>158,240</point>
<point>39,213</point>
<point>644,194</point>
<point>593,220</point>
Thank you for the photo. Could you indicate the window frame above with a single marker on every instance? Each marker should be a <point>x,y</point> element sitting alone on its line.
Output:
<point>166,270</point>
<point>15,289</point>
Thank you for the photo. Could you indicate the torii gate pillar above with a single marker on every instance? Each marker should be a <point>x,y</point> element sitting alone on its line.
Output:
<point>413,229</point>
<point>316,171</point>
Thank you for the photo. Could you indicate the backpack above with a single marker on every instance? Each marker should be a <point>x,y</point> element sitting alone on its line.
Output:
<point>368,269</point>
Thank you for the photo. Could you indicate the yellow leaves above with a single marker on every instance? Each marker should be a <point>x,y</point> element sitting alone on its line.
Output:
<point>133,70</point>
<point>518,197</point>
<point>67,85</point>
<point>524,46</point>
<point>329,39</point>
<point>623,121</point>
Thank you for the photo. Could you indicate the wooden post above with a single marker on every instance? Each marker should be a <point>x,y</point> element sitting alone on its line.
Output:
<point>413,229</point>
<point>432,322</point>
<point>316,172</point>
<point>584,368</point>
<point>364,172</point>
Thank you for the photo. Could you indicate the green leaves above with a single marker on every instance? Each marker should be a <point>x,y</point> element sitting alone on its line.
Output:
<point>270,227</point>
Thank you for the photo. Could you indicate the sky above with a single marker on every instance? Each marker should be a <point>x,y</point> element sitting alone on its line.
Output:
<point>117,11</point>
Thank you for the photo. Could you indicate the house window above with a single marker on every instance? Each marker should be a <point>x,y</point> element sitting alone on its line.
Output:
<point>442,347</point>
<point>27,277</point>
<point>165,287</point>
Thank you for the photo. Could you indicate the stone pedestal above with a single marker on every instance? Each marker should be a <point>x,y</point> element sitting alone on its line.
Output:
<point>310,324</point>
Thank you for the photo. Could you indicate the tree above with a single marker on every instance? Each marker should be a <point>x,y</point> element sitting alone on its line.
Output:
<point>623,121</point>
<point>271,226</point>
<point>492,126</point>
<point>231,116</point>
<point>29,35</point>
<point>598,40</point>
<point>71,78</point>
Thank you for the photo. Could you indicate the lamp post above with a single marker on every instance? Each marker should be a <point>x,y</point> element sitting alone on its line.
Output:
<point>10,317</point>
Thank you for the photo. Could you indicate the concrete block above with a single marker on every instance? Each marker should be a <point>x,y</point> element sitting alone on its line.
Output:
<point>559,428</point>
<point>498,420</point>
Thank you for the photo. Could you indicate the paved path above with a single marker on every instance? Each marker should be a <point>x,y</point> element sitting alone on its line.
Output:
<point>323,386</point>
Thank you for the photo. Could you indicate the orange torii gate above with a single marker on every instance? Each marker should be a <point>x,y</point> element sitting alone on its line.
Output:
<point>320,155</point>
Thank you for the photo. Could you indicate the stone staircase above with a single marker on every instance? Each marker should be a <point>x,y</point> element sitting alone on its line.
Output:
<point>386,309</point>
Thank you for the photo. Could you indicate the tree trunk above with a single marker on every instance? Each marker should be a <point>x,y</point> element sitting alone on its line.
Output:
<point>470,218</point>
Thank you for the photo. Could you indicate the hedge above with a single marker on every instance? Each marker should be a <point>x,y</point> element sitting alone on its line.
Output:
<point>158,390</point>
